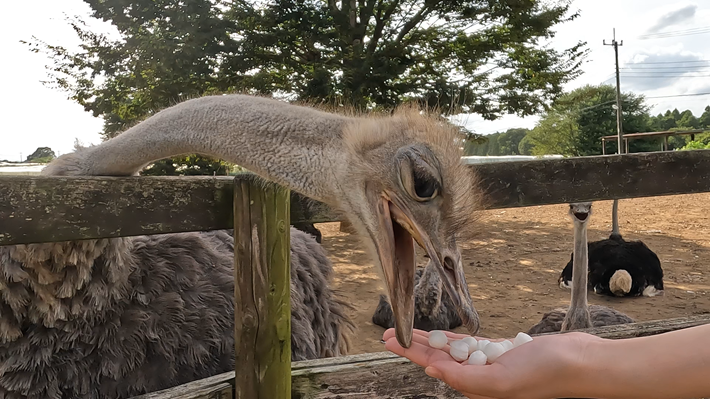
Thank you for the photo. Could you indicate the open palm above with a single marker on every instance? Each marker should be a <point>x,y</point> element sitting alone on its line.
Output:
<point>541,369</point>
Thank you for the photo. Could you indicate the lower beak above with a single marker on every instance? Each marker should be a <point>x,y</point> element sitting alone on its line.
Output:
<point>397,256</point>
<point>398,263</point>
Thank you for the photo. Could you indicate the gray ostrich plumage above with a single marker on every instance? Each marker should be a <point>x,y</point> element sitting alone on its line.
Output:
<point>433,309</point>
<point>580,314</point>
<point>114,318</point>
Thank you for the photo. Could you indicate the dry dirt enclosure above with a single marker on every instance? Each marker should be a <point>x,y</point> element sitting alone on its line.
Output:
<point>513,266</point>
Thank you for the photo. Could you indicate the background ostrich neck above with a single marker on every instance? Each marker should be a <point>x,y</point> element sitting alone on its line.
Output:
<point>297,147</point>
<point>615,218</point>
<point>579,268</point>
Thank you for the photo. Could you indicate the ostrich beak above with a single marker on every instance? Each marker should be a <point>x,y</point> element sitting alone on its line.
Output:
<point>396,252</point>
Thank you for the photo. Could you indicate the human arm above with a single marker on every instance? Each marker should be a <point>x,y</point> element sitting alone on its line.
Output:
<point>672,365</point>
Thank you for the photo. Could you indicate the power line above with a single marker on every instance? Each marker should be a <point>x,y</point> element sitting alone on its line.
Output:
<point>670,62</point>
<point>665,76</point>
<point>687,32</point>
<point>682,95</point>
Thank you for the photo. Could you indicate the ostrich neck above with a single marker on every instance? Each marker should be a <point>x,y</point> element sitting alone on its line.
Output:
<point>615,217</point>
<point>297,147</point>
<point>579,269</point>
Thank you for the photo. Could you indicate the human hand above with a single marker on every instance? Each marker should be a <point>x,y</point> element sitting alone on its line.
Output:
<point>546,368</point>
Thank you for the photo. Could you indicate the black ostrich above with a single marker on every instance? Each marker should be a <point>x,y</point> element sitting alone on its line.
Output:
<point>618,267</point>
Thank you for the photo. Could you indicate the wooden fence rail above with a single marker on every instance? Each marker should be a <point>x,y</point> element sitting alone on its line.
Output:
<point>48,209</point>
<point>385,375</point>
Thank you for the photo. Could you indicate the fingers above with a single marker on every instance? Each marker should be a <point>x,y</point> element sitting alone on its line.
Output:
<point>476,381</point>
<point>419,353</point>
<point>389,333</point>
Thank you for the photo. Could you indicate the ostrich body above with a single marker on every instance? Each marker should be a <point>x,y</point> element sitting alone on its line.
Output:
<point>433,309</point>
<point>118,317</point>
<point>398,179</point>
<point>579,315</point>
<point>620,268</point>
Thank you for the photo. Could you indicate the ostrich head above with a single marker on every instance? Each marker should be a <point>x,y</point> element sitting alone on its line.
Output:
<point>620,282</point>
<point>406,184</point>
<point>580,212</point>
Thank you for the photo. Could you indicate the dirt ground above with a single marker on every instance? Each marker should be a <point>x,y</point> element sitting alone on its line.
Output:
<point>512,268</point>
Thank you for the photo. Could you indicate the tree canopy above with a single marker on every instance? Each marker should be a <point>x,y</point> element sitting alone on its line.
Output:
<point>481,56</point>
<point>41,155</point>
<point>577,121</point>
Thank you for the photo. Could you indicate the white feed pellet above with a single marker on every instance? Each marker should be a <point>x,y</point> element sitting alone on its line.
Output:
<point>437,339</point>
<point>520,339</point>
<point>459,350</point>
<point>472,344</point>
<point>477,358</point>
<point>482,344</point>
<point>507,345</point>
<point>494,350</point>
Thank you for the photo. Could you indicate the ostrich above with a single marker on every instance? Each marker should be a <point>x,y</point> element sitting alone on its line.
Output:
<point>620,268</point>
<point>580,314</point>
<point>112,318</point>
<point>398,178</point>
<point>433,309</point>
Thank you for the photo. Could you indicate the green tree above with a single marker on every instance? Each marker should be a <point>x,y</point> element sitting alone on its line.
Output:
<point>510,141</point>
<point>41,155</point>
<point>525,147</point>
<point>704,120</point>
<point>579,119</point>
<point>479,56</point>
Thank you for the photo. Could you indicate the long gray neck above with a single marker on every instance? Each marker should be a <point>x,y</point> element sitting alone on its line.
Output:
<point>615,218</point>
<point>297,147</point>
<point>579,268</point>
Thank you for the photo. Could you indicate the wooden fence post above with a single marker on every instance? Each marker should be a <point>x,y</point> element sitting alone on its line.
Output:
<point>262,309</point>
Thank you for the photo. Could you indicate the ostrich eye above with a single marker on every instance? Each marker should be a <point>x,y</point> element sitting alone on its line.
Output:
<point>425,186</point>
<point>417,173</point>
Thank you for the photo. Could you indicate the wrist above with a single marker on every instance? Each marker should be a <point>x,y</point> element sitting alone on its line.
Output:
<point>588,359</point>
<point>597,367</point>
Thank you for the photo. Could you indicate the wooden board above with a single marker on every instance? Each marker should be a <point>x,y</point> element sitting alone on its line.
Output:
<point>46,209</point>
<point>384,375</point>
<point>262,311</point>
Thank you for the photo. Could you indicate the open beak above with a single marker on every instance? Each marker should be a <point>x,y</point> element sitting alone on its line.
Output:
<point>396,252</point>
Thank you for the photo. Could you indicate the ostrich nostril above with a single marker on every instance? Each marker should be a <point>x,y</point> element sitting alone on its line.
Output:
<point>450,267</point>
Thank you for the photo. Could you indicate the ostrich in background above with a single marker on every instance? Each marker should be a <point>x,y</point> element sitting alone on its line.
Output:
<point>580,314</point>
<point>618,267</point>
<point>113,318</point>
<point>433,309</point>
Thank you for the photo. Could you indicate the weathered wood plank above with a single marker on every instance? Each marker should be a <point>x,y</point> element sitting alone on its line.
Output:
<point>385,375</point>
<point>262,311</point>
<point>45,209</point>
<point>218,390</point>
<point>559,181</point>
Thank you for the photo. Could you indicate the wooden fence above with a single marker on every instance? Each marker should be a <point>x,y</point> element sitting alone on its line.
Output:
<point>48,209</point>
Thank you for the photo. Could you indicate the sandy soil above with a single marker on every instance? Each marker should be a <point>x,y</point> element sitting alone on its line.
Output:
<point>512,268</point>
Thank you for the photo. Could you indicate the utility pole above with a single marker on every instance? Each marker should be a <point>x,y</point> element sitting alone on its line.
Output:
<point>619,129</point>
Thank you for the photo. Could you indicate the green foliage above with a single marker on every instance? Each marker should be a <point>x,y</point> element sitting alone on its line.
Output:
<point>191,165</point>
<point>41,155</point>
<point>578,120</point>
<point>701,142</point>
<point>501,143</point>
<point>365,54</point>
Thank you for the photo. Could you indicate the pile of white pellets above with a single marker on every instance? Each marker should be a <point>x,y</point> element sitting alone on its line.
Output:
<point>476,352</point>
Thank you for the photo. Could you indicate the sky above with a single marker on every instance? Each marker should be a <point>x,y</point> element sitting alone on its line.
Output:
<point>666,38</point>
